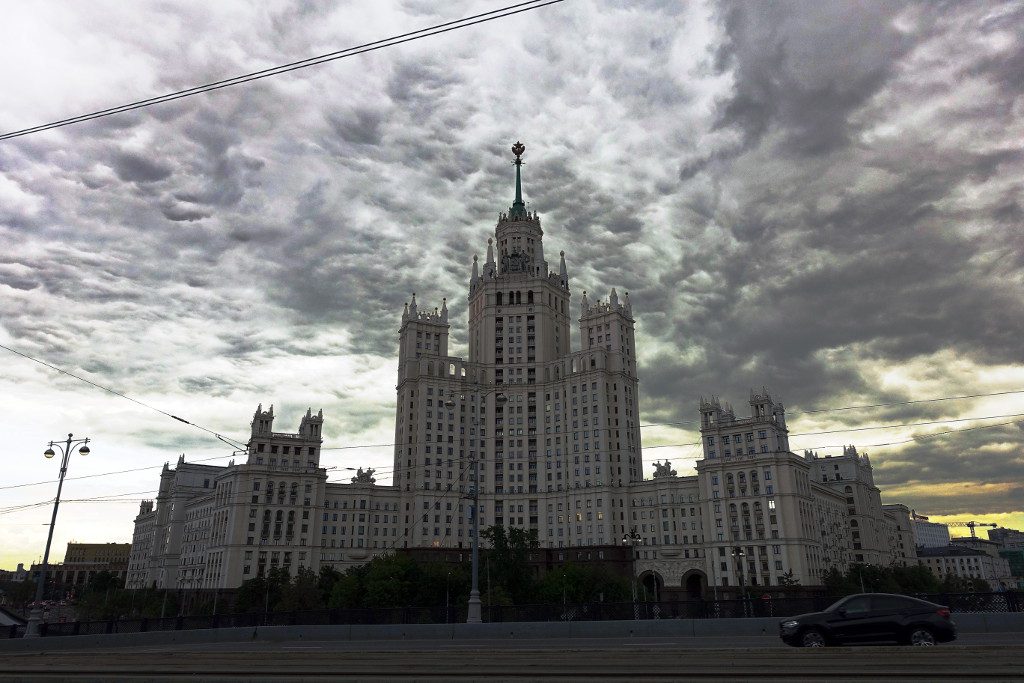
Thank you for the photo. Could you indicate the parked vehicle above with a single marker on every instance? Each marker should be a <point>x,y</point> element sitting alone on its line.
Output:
<point>871,617</point>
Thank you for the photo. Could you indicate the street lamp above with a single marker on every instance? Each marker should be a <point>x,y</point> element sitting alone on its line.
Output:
<point>738,554</point>
<point>633,538</point>
<point>473,612</point>
<point>36,616</point>
<point>447,593</point>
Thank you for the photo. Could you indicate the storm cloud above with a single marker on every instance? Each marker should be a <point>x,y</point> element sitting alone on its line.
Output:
<point>823,198</point>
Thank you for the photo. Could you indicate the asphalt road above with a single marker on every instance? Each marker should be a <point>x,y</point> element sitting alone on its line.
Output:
<point>701,643</point>
<point>609,659</point>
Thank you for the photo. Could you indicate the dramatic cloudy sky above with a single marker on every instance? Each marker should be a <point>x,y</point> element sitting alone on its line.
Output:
<point>824,198</point>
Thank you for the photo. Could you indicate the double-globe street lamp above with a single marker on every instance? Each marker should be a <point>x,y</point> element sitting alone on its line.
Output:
<point>473,611</point>
<point>36,615</point>
<point>632,538</point>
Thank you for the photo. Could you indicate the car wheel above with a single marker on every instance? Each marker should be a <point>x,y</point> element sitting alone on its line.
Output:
<point>812,637</point>
<point>921,636</point>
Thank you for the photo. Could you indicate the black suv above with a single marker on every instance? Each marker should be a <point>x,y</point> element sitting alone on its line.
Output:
<point>870,617</point>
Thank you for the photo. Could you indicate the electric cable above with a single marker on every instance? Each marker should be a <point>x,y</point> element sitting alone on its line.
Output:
<point>226,440</point>
<point>242,447</point>
<point>437,29</point>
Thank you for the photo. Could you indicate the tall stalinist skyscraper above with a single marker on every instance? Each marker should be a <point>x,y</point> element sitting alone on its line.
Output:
<point>550,435</point>
<point>549,440</point>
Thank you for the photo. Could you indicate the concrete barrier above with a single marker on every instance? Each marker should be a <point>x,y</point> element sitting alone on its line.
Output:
<point>654,628</point>
<point>994,622</point>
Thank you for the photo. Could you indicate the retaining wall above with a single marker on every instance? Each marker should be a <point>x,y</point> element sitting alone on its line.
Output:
<point>682,628</point>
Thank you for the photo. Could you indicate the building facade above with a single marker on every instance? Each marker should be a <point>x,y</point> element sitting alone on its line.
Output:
<point>546,436</point>
<point>82,561</point>
<point>1007,538</point>
<point>929,534</point>
<point>967,562</point>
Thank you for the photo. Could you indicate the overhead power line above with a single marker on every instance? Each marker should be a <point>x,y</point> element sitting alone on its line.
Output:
<point>386,470</point>
<point>867,429</point>
<point>862,406</point>
<point>907,403</point>
<point>119,497</point>
<point>916,437</point>
<point>437,29</point>
<point>240,446</point>
<point>377,470</point>
<point>228,441</point>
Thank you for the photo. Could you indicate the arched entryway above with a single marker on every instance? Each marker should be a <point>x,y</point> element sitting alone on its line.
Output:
<point>651,585</point>
<point>695,582</point>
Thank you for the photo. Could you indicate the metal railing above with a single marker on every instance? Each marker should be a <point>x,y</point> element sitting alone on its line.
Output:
<point>592,611</point>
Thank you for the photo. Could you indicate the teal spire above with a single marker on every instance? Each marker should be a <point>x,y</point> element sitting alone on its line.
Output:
<point>518,210</point>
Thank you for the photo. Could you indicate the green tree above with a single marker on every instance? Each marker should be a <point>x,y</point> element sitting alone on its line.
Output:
<point>915,579</point>
<point>837,582</point>
<point>325,583</point>
<point>262,592</point>
<point>348,590</point>
<point>400,581</point>
<point>952,583</point>
<point>509,554</point>
<point>301,593</point>
<point>788,579</point>
<point>577,583</point>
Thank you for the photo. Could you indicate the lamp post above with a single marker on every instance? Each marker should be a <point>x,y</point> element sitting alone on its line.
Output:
<point>447,592</point>
<point>473,611</point>
<point>739,555</point>
<point>633,538</point>
<point>36,616</point>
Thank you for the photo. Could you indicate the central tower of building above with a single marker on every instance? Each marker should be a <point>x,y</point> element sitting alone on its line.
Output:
<point>549,435</point>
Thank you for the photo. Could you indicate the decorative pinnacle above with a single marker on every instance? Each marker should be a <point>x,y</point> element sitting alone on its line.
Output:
<point>518,210</point>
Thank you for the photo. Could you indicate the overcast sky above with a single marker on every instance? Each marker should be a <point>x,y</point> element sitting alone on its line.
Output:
<point>824,198</point>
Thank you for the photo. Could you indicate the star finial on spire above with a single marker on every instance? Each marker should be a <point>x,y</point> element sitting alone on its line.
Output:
<point>518,210</point>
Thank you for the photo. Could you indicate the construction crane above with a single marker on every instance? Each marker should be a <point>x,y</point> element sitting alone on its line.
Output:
<point>970,525</point>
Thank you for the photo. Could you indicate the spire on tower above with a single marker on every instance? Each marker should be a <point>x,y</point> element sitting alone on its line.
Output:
<point>412,306</point>
<point>613,298</point>
<point>476,268</point>
<point>518,210</point>
<point>585,302</point>
<point>444,309</point>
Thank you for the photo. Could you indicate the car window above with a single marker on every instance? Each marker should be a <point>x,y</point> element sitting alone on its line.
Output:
<point>857,605</point>
<point>889,603</point>
<point>835,605</point>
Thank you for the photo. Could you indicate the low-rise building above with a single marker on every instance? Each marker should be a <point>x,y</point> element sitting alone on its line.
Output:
<point>82,561</point>
<point>1007,538</point>
<point>990,548</point>
<point>16,575</point>
<point>967,563</point>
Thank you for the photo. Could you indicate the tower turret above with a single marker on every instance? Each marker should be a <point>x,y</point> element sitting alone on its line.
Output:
<point>311,425</point>
<point>490,268</point>
<point>263,421</point>
<point>423,334</point>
